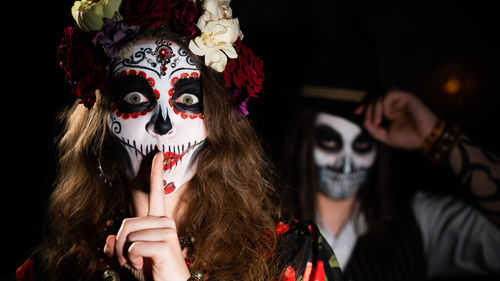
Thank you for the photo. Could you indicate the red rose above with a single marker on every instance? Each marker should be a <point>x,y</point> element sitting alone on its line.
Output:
<point>76,53</point>
<point>228,73</point>
<point>245,72</point>
<point>184,19</point>
<point>83,64</point>
<point>147,14</point>
<point>85,88</point>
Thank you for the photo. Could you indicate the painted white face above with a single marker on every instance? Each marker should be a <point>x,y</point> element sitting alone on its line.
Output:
<point>158,105</point>
<point>343,155</point>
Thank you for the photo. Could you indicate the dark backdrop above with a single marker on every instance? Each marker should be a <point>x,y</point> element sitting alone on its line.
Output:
<point>420,47</point>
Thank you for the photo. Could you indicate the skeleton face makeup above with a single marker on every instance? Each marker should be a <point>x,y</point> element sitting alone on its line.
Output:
<point>158,105</point>
<point>343,155</point>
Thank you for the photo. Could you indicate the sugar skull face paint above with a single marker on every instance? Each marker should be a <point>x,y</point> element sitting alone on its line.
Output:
<point>343,155</point>
<point>158,105</point>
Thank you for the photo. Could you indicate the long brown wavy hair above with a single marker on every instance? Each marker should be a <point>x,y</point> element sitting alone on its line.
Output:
<point>232,211</point>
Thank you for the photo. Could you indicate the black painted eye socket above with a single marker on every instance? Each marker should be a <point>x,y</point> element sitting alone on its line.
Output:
<point>132,93</point>
<point>328,138</point>
<point>362,144</point>
<point>188,97</point>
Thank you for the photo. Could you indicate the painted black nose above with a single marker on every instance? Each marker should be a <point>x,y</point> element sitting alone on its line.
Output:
<point>162,125</point>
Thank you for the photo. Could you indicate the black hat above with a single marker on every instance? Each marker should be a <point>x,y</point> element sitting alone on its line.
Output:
<point>342,69</point>
<point>337,101</point>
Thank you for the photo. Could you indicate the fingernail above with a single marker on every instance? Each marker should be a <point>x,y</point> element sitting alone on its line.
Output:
<point>106,249</point>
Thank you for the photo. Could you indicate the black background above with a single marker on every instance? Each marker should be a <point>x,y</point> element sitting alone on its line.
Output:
<point>420,46</point>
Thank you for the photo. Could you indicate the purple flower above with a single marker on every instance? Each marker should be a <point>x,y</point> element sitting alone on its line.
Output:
<point>240,103</point>
<point>113,36</point>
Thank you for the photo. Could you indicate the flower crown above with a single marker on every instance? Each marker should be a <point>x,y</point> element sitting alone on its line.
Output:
<point>105,27</point>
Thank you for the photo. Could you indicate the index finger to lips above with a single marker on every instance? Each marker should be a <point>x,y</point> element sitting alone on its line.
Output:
<point>156,200</point>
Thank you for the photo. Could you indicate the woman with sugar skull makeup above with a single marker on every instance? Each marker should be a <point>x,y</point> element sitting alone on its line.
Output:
<point>161,176</point>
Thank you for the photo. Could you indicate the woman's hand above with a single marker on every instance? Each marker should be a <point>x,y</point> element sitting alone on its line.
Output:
<point>410,121</point>
<point>149,246</point>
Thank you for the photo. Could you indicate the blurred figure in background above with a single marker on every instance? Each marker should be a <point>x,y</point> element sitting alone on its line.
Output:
<point>338,167</point>
<point>343,158</point>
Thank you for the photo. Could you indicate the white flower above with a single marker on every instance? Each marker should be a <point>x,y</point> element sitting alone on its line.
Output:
<point>89,14</point>
<point>216,9</point>
<point>215,42</point>
<point>218,32</point>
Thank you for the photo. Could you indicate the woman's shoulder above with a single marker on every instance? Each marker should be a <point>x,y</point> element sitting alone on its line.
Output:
<point>304,253</point>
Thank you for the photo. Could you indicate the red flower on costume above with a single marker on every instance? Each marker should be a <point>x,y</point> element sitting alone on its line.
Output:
<point>83,64</point>
<point>281,229</point>
<point>288,274</point>
<point>245,72</point>
<point>147,14</point>
<point>317,272</point>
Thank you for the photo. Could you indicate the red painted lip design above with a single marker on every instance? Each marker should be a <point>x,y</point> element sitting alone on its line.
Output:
<point>169,188</point>
<point>171,158</point>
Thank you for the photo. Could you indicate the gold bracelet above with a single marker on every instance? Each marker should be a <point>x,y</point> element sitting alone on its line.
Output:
<point>431,139</point>
<point>444,144</point>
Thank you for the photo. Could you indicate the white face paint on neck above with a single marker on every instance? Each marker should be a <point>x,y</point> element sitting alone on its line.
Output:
<point>343,156</point>
<point>158,105</point>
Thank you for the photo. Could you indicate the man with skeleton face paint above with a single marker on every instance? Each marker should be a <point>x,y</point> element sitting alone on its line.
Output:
<point>158,106</point>
<point>338,160</point>
<point>341,141</point>
<point>344,155</point>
